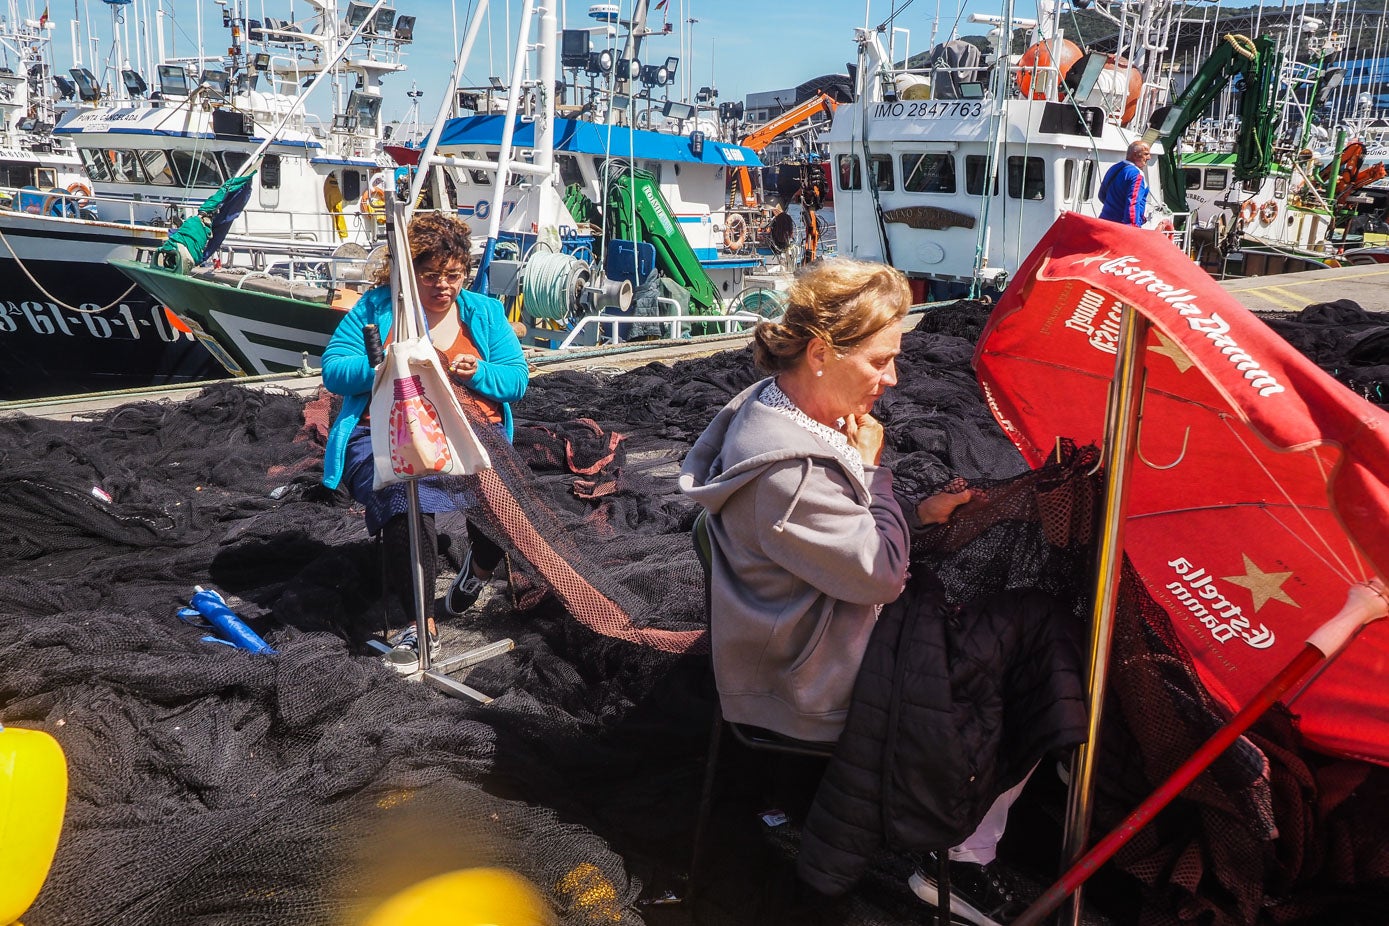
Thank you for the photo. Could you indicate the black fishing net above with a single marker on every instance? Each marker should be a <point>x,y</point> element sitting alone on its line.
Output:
<point>209,784</point>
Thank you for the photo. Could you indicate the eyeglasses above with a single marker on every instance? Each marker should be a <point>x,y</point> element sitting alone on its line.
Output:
<point>435,277</point>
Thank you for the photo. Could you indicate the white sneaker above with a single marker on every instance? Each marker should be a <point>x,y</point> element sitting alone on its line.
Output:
<point>404,656</point>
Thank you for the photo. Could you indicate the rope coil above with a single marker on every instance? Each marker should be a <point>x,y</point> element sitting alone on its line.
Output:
<point>552,284</point>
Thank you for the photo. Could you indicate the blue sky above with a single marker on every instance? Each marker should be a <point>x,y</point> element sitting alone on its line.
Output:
<point>740,46</point>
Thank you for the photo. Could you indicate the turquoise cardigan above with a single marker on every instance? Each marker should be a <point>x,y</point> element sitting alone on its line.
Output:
<point>502,373</point>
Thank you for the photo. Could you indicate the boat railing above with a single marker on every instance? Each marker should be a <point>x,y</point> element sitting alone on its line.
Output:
<point>676,320</point>
<point>1178,231</point>
<point>83,206</point>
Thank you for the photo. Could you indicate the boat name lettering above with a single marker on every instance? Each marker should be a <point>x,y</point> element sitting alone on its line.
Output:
<point>667,225</point>
<point>1105,336</point>
<point>1224,619</point>
<point>929,109</point>
<point>120,322</point>
<point>933,218</point>
<point>1215,328</point>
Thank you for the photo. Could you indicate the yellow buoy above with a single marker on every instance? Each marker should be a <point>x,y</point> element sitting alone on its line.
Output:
<point>33,794</point>
<point>470,897</point>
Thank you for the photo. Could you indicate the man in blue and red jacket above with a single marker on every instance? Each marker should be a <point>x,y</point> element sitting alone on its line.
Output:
<point>1124,190</point>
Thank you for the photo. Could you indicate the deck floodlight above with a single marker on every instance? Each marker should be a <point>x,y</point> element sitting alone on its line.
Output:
<point>88,90</point>
<point>356,14</point>
<point>628,69</point>
<point>261,62</point>
<point>599,62</point>
<point>173,80</point>
<point>654,75</point>
<point>470,102</point>
<point>697,144</point>
<point>671,64</point>
<point>730,111</point>
<point>496,83</point>
<point>573,48</point>
<point>674,110</point>
<point>384,21</point>
<point>134,84</point>
<point>405,28</point>
<point>66,88</point>
<point>706,95</point>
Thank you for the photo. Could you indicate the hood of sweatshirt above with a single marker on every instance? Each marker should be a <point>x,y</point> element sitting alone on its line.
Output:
<point>742,440</point>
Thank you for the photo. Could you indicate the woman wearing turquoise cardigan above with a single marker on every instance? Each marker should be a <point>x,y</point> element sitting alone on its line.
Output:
<point>481,352</point>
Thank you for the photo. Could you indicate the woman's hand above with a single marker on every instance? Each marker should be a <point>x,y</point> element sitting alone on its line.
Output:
<point>865,434</point>
<point>463,365</point>
<point>937,509</point>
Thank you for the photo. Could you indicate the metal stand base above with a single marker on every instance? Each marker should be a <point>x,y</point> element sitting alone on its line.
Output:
<point>436,675</point>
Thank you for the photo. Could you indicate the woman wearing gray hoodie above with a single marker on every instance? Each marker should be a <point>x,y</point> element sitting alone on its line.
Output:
<point>808,541</point>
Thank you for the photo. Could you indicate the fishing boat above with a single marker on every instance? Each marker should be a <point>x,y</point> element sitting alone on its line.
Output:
<point>154,152</point>
<point>592,228</point>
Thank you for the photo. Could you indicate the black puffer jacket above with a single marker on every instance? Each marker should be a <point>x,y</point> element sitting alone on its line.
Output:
<point>952,707</point>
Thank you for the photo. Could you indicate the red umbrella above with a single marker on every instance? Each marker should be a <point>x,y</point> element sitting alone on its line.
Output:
<point>1248,488</point>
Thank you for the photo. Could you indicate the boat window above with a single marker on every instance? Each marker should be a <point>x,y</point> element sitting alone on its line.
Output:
<point>928,173</point>
<point>351,185</point>
<point>1192,178</point>
<point>233,161</point>
<point>45,177</point>
<point>1087,172</point>
<point>196,168</point>
<point>1216,180</point>
<point>96,164</point>
<point>976,169</point>
<point>1280,187</point>
<point>270,172</point>
<point>16,174</point>
<point>850,174</point>
<point>125,166</point>
<point>1253,185</point>
<point>1026,178</point>
<point>157,165</point>
<point>881,167</point>
<point>478,175</point>
<point>569,172</point>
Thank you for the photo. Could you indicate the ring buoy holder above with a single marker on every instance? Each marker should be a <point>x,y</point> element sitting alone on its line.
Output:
<point>1248,211</point>
<point>735,232</point>
<point>1268,212</point>
<point>69,205</point>
<point>373,202</point>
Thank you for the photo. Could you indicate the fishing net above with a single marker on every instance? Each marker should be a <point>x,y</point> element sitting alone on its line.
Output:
<point>209,784</point>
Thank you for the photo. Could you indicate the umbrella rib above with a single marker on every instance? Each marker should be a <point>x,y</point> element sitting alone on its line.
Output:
<point>1340,565</point>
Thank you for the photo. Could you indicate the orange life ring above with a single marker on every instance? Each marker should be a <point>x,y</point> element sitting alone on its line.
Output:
<point>1268,212</point>
<point>82,192</point>
<point>1247,211</point>
<point>735,232</point>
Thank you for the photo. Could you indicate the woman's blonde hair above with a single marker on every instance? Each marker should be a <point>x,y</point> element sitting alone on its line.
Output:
<point>842,302</point>
<point>435,239</point>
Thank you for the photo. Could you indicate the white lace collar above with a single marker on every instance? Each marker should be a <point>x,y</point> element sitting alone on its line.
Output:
<point>774,398</point>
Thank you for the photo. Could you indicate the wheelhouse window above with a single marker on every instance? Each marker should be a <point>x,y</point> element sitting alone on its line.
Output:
<point>1216,180</point>
<point>976,170</point>
<point>98,168</point>
<point>928,173</point>
<point>233,161</point>
<point>125,166</point>
<point>270,172</point>
<point>196,168</point>
<point>881,166</point>
<point>569,172</point>
<point>1027,178</point>
<point>850,173</point>
<point>1191,177</point>
<point>1280,187</point>
<point>156,164</point>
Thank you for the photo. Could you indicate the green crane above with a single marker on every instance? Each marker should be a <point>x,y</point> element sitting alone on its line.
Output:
<point>638,212</point>
<point>1259,63</point>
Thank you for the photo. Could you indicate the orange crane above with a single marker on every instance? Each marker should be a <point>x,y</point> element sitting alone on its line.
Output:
<point>762,136</point>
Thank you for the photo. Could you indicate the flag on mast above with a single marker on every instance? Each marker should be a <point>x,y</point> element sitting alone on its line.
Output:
<point>43,20</point>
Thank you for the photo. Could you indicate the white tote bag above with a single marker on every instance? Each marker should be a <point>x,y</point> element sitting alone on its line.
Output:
<point>418,428</point>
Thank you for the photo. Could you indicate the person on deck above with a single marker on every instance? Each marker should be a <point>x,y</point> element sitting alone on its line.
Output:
<point>480,351</point>
<point>809,542</point>
<point>1124,189</point>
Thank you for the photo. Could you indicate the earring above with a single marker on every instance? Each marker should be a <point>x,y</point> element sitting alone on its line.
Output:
<point>819,372</point>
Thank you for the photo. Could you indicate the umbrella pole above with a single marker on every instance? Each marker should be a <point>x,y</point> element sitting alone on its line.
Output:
<point>1120,440</point>
<point>423,597</point>
<point>1365,603</point>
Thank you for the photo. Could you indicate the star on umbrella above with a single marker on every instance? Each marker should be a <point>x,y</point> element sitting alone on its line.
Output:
<point>1169,348</point>
<point>1087,261</point>
<point>1264,585</point>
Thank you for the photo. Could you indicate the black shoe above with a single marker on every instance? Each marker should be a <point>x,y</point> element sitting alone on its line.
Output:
<point>985,895</point>
<point>465,590</point>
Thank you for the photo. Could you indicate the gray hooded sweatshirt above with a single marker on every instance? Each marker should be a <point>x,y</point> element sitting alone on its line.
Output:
<point>804,556</point>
